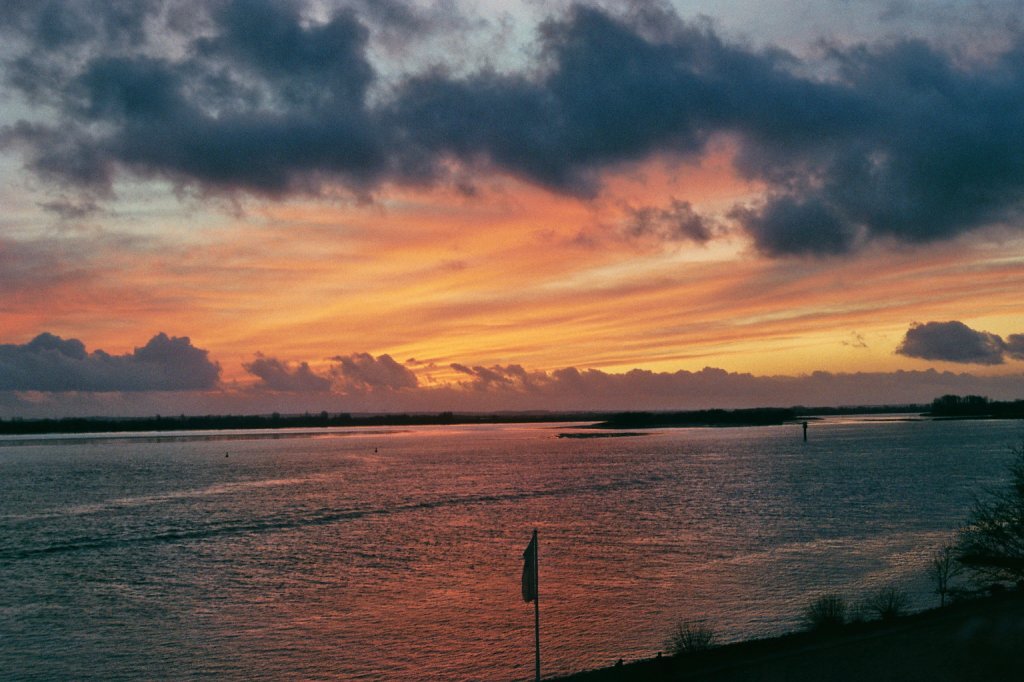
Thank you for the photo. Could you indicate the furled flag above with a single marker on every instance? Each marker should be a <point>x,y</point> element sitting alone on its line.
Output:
<point>530,570</point>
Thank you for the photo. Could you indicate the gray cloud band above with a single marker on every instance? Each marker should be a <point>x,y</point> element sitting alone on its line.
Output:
<point>901,140</point>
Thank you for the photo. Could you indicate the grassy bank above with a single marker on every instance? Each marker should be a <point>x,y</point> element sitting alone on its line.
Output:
<point>980,639</point>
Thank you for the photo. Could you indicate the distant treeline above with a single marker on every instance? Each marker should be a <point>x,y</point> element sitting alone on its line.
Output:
<point>976,406</point>
<point>764,416</point>
<point>945,407</point>
<point>625,420</point>
<point>909,408</point>
<point>273,421</point>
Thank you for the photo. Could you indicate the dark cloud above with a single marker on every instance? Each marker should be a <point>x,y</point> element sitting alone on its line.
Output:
<point>937,154</point>
<point>1015,346</point>
<point>677,221</point>
<point>263,101</point>
<point>607,95</point>
<point>276,375</point>
<point>899,140</point>
<point>50,363</point>
<point>955,342</point>
<point>793,225</point>
<point>57,25</point>
<point>363,372</point>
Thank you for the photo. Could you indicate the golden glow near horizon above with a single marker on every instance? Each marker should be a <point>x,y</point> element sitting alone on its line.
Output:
<point>517,275</point>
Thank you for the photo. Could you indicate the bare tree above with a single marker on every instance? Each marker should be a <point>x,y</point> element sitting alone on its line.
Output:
<point>942,569</point>
<point>992,544</point>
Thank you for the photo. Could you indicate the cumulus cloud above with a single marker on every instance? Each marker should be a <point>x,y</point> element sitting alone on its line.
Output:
<point>512,377</point>
<point>50,363</point>
<point>956,342</point>
<point>278,375</point>
<point>895,140</point>
<point>363,372</point>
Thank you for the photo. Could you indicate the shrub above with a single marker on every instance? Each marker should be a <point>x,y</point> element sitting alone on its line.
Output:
<point>888,603</point>
<point>827,612</point>
<point>691,636</point>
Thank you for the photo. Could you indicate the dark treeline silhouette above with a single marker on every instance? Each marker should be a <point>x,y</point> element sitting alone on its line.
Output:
<point>763,416</point>
<point>273,421</point>
<point>909,408</point>
<point>976,406</point>
<point>945,407</point>
<point>624,420</point>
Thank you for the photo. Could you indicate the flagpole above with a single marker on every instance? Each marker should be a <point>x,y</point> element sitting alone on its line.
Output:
<point>536,601</point>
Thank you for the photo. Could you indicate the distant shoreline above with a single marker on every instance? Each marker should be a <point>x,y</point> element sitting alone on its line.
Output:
<point>595,419</point>
<point>948,407</point>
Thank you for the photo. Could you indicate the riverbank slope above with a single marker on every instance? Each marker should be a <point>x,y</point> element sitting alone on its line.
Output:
<point>972,641</point>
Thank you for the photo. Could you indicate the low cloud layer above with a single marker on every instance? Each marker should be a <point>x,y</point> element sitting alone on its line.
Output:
<point>350,374</point>
<point>364,372</point>
<point>277,375</point>
<point>52,376</point>
<point>572,388</point>
<point>50,363</point>
<point>956,342</point>
<point>899,140</point>
<point>560,390</point>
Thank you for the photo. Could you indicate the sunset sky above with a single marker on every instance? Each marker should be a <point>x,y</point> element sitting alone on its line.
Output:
<point>256,205</point>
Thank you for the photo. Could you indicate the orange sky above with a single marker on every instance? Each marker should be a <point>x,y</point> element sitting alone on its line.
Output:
<point>517,274</point>
<point>720,193</point>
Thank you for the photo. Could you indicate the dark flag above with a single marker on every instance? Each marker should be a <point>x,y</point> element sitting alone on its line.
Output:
<point>530,570</point>
<point>530,580</point>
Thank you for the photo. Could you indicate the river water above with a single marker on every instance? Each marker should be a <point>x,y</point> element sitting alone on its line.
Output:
<point>396,554</point>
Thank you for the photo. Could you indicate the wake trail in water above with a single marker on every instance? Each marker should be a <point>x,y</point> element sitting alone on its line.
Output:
<point>322,518</point>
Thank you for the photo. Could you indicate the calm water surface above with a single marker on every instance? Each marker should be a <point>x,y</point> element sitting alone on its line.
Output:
<point>396,554</point>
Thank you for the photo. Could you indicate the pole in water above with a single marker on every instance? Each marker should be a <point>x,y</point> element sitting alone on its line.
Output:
<point>805,432</point>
